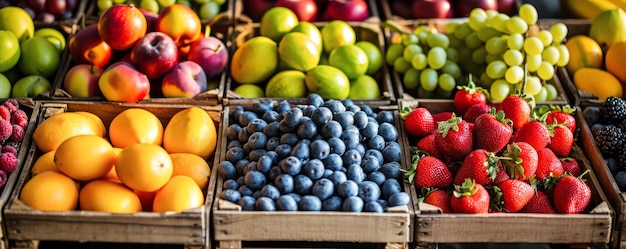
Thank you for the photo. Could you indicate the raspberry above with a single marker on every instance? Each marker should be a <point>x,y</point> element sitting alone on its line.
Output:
<point>18,133</point>
<point>5,113</point>
<point>11,104</point>
<point>20,118</point>
<point>6,129</point>
<point>8,162</point>
<point>3,179</point>
<point>9,148</point>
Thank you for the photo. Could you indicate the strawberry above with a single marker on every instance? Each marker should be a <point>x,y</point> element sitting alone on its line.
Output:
<point>562,115</point>
<point>492,131</point>
<point>517,109</point>
<point>467,96</point>
<point>571,166</point>
<point>539,204</point>
<point>514,195</point>
<point>474,111</point>
<point>480,165</point>
<point>418,122</point>
<point>521,160</point>
<point>454,138</point>
<point>501,175</point>
<point>561,139</point>
<point>470,197</point>
<point>438,198</point>
<point>534,133</point>
<point>427,144</point>
<point>571,195</point>
<point>428,172</point>
<point>548,164</point>
<point>442,116</point>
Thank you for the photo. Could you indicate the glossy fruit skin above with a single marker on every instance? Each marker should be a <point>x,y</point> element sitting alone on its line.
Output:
<point>305,10</point>
<point>124,83</point>
<point>87,47</point>
<point>516,109</point>
<point>50,191</point>
<point>571,195</point>
<point>210,53</point>
<point>432,173</point>
<point>121,26</point>
<point>155,54</point>
<point>492,132</point>
<point>584,52</point>
<point>183,33</point>
<point>454,138</point>
<point>515,193</point>
<point>470,198</point>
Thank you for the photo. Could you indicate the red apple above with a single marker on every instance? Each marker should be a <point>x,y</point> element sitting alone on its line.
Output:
<point>151,19</point>
<point>81,81</point>
<point>401,8</point>
<point>155,54</point>
<point>124,83</point>
<point>507,7</point>
<point>56,7</point>
<point>347,10</point>
<point>305,10</point>
<point>86,47</point>
<point>121,26</point>
<point>181,23</point>
<point>185,80</point>
<point>256,8</point>
<point>211,54</point>
<point>431,9</point>
<point>462,8</point>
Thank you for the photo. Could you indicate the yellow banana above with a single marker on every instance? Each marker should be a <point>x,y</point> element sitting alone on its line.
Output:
<point>620,3</point>
<point>589,9</point>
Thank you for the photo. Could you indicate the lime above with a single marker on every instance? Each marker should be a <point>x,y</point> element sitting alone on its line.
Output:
<point>10,47</point>
<point>298,52</point>
<point>38,57</point>
<point>328,81</point>
<point>337,33</point>
<point>374,56</point>
<point>255,61</point>
<point>18,21</point>
<point>364,87</point>
<point>312,32</point>
<point>350,59</point>
<point>287,84</point>
<point>277,22</point>
<point>249,91</point>
<point>5,87</point>
<point>53,36</point>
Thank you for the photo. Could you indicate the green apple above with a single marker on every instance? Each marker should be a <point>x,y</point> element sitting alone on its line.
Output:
<point>39,57</point>
<point>337,33</point>
<point>18,21</point>
<point>350,59</point>
<point>30,86</point>
<point>53,36</point>
<point>5,87</point>
<point>277,22</point>
<point>374,56</point>
<point>10,47</point>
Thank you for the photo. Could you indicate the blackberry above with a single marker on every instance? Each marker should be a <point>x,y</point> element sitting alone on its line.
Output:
<point>610,140</point>
<point>613,110</point>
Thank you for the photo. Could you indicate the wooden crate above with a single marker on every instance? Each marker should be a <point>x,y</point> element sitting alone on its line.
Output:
<point>27,226</point>
<point>365,31</point>
<point>233,227</point>
<point>593,227</point>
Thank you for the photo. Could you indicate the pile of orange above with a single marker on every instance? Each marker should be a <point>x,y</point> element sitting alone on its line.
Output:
<point>135,165</point>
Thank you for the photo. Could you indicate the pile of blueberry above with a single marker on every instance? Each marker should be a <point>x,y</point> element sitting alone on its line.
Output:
<point>319,156</point>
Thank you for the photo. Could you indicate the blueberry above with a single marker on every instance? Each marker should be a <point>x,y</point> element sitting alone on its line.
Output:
<point>591,114</point>
<point>391,170</point>
<point>323,188</point>
<point>331,129</point>
<point>295,196</point>
<point>236,112</point>
<point>243,135</point>
<point>282,106</point>
<point>256,154</point>
<point>370,130</point>
<point>319,149</point>
<point>245,191</point>
<point>383,203</point>
<point>247,203</point>
<point>271,129</point>
<point>306,128</point>
<point>613,165</point>
<point>370,164</point>
<point>255,180</point>
<point>399,199</point>
<point>241,180</point>
<point>595,128</point>
<point>384,117</point>
<point>390,187</point>
<point>388,132</point>
<point>355,173</point>
<point>291,165</point>
<point>232,132</point>
<point>336,146</point>
<point>377,177</point>
<point>264,204</point>
<point>246,148</point>
<point>284,128</point>
<point>332,204</point>
<point>233,144</point>
<point>315,99</point>
<point>314,169</point>
<point>373,207</point>
<point>246,117</point>
<point>264,164</point>
<point>369,191</point>
<point>230,184</point>
<point>274,172</point>
<point>333,162</point>
<point>262,107</point>
<point>283,150</point>
<point>256,125</point>
<point>308,110</point>
<point>351,157</point>
<point>349,138</point>
<point>289,138</point>
<point>273,155</point>
<point>234,154</point>
<point>270,191</point>
<point>286,203</point>
<point>348,188</point>
<point>230,195</point>
<point>337,177</point>
<point>367,109</point>
<point>292,116</point>
<point>375,153</point>
<point>345,119</point>
<point>284,183</point>
<point>360,148</point>
<point>270,116</point>
<point>251,166</point>
<point>376,142</point>
<point>310,203</point>
<point>353,108</point>
<point>335,106</point>
<point>301,151</point>
<point>327,173</point>
<point>272,143</point>
<point>302,184</point>
<point>240,165</point>
<point>347,103</point>
<point>256,194</point>
<point>392,152</point>
<point>352,204</point>
<point>257,140</point>
<point>360,119</point>
<point>226,169</point>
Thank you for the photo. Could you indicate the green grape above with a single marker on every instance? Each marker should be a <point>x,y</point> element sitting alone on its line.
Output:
<point>552,92</point>
<point>451,68</point>
<point>563,55</point>
<point>428,79</point>
<point>496,45</point>
<point>479,55</point>
<point>514,74</point>
<point>485,81</point>
<point>492,57</point>
<point>533,62</point>
<point>410,51</point>
<point>491,13</point>
<point>419,61</point>
<point>550,54</point>
<point>408,39</point>
<point>513,57</point>
<point>499,90</point>
<point>533,46</point>
<point>455,42</point>
<point>462,31</point>
<point>533,85</point>
<point>465,55</point>
<point>496,69</point>
<point>446,82</point>
<point>545,37</point>
<point>528,13</point>
<point>452,54</point>
<point>425,94</point>
<point>423,36</point>
<point>477,22</point>
<point>515,41</point>
<point>104,4</point>
<point>545,70</point>
<point>472,41</point>
<point>436,57</point>
<point>559,32</point>
<point>478,12</point>
<point>541,96</point>
<point>394,51</point>
<point>438,40</point>
<point>486,33</point>
<point>499,21</point>
<point>400,65</point>
<point>411,79</point>
<point>516,25</point>
<point>450,27</point>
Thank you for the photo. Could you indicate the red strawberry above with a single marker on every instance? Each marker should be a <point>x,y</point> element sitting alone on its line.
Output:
<point>539,204</point>
<point>438,198</point>
<point>479,165</point>
<point>562,115</point>
<point>427,144</point>
<point>501,175</point>
<point>517,109</point>
<point>492,131</point>
<point>522,163</point>
<point>470,197</point>
<point>548,164</point>
<point>534,133</point>
<point>474,111</point>
<point>454,138</point>
<point>561,140</point>
<point>418,122</point>
<point>429,172</point>
<point>442,116</point>
<point>571,195</point>
<point>515,195</point>
<point>467,96</point>
<point>571,166</point>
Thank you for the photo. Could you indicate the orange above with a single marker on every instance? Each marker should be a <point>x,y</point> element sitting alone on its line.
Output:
<point>85,157</point>
<point>613,60</point>
<point>598,82</point>
<point>191,130</point>
<point>108,196</point>
<point>45,162</point>
<point>51,132</point>
<point>97,122</point>
<point>112,175</point>
<point>146,198</point>
<point>144,167</point>
<point>50,191</point>
<point>135,125</point>
<point>583,52</point>
<point>179,194</point>
<point>193,166</point>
